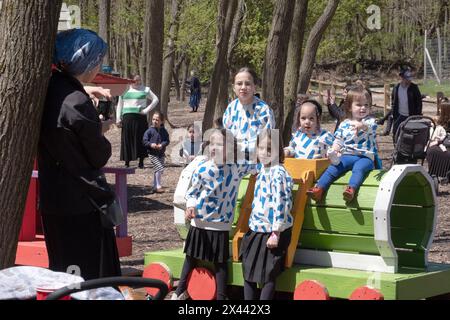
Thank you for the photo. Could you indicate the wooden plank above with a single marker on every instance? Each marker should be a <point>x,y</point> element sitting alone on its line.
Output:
<point>298,214</point>
<point>312,239</point>
<point>414,196</point>
<point>410,238</point>
<point>412,217</point>
<point>333,198</point>
<point>244,215</point>
<point>411,259</point>
<point>339,220</point>
<point>406,284</point>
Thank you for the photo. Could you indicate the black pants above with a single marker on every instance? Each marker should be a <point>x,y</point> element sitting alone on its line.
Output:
<point>397,122</point>
<point>221,274</point>
<point>82,242</point>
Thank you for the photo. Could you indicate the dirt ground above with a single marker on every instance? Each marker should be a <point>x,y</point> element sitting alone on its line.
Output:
<point>150,217</point>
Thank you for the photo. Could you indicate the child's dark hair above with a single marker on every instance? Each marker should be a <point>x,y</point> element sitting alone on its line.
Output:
<point>160,115</point>
<point>318,108</point>
<point>218,123</point>
<point>353,94</point>
<point>267,133</point>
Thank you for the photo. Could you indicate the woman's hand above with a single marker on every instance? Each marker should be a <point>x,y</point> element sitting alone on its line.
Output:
<point>97,93</point>
<point>189,213</point>
<point>272,242</point>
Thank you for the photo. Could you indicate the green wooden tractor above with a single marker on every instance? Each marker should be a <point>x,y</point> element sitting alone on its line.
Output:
<point>374,247</point>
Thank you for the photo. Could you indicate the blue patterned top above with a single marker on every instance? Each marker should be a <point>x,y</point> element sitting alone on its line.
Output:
<point>363,143</point>
<point>246,122</point>
<point>272,202</point>
<point>213,193</point>
<point>302,146</point>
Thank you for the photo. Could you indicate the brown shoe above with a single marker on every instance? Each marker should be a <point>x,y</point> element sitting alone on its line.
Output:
<point>315,193</point>
<point>160,190</point>
<point>349,193</point>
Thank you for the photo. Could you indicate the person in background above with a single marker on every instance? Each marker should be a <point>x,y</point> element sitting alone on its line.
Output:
<point>406,100</point>
<point>192,145</point>
<point>155,140</point>
<point>196,92</point>
<point>71,153</point>
<point>132,111</point>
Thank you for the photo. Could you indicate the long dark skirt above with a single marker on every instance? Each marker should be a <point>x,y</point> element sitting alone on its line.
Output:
<point>81,241</point>
<point>259,263</point>
<point>133,128</point>
<point>438,162</point>
<point>207,245</point>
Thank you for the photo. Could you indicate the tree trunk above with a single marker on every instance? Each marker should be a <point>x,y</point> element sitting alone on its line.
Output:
<point>226,13</point>
<point>185,77</point>
<point>275,58</point>
<point>104,14</point>
<point>225,81</point>
<point>153,45</point>
<point>293,64</point>
<point>312,45</point>
<point>26,43</point>
<point>169,59</point>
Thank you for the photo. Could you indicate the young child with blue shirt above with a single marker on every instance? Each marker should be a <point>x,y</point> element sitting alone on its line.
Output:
<point>309,141</point>
<point>210,203</point>
<point>263,248</point>
<point>247,115</point>
<point>354,147</point>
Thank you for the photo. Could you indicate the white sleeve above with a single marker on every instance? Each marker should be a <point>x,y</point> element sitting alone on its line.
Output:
<point>119,110</point>
<point>153,104</point>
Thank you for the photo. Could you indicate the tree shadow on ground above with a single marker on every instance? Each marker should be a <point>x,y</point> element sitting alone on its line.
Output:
<point>139,200</point>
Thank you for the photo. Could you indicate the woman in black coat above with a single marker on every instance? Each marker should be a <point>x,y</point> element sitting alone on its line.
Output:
<point>72,151</point>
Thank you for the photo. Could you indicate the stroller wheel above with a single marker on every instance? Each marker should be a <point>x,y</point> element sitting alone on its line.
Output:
<point>436,183</point>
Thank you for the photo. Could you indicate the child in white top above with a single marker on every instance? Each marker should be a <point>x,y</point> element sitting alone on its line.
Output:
<point>309,141</point>
<point>354,147</point>
<point>264,246</point>
<point>210,203</point>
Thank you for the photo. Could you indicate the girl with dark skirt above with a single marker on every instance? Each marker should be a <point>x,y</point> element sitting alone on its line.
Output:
<point>72,151</point>
<point>210,207</point>
<point>132,111</point>
<point>263,247</point>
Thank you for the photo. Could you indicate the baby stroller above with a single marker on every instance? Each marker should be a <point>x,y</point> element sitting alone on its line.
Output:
<point>412,140</point>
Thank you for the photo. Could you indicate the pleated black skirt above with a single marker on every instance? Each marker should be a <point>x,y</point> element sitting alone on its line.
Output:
<point>207,245</point>
<point>81,241</point>
<point>259,263</point>
<point>133,128</point>
<point>438,162</point>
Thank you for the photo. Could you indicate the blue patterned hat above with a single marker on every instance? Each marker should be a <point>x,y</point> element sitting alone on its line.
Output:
<point>78,50</point>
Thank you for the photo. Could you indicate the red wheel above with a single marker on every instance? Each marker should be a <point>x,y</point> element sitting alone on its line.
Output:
<point>311,290</point>
<point>201,284</point>
<point>366,293</point>
<point>160,271</point>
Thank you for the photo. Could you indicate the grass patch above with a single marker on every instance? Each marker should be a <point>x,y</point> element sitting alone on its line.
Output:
<point>431,88</point>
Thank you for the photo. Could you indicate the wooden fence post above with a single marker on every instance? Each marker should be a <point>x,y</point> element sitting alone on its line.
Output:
<point>439,98</point>
<point>387,100</point>
<point>320,93</point>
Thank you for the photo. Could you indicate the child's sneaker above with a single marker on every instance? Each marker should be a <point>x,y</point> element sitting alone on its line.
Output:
<point>315,193</point>
<point>349,193</point>
<point>182,296</point>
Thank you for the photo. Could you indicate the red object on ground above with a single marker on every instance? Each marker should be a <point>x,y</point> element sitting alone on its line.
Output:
<point>311,290</point>
<point>201,284</point>
<point>366,293</point>
<point>159,271</point>
<point>42,294</point>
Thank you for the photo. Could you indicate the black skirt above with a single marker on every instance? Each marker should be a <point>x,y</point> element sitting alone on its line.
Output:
<point>133,128</point>
<point>438,162</point>
<point>259,263</point>
<point>81,241</point>
<point>207,245</point>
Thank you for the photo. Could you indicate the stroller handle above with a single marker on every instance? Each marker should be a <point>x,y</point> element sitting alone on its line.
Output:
<point>111,282</point>
<point>411,118</point>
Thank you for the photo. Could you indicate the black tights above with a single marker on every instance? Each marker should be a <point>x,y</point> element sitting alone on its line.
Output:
<point>267,292</point>
<point>221,270</point>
